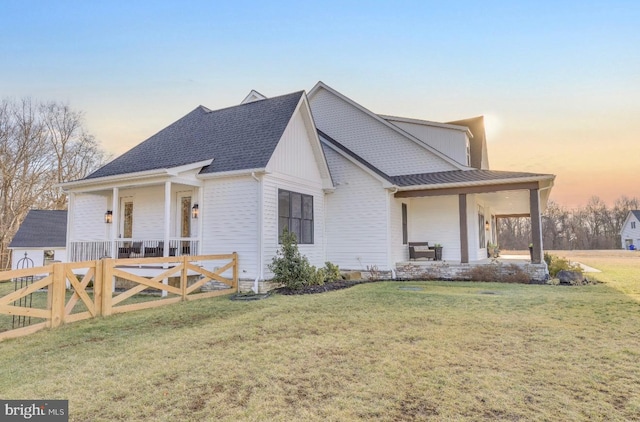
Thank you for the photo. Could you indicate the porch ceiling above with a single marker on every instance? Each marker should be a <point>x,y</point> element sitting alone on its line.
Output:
<point>515,202</point>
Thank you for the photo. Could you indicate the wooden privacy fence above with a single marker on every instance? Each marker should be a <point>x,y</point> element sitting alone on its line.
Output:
<point>68,292</point>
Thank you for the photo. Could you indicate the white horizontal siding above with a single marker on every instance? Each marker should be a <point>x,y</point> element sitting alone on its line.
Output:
<point>628,233</point>
<point>356,227</point>
<point>377,143</point>
<point>148,211</point>
<point>271,184</point>
<point>451,142</point>
<point>87,218</point>
<point>230,220</point>
<point>435,219</point>
<point>399,251</point>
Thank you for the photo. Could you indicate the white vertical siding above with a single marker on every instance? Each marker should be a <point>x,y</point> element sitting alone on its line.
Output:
<point>435,219</point>
<point>36,255</point>
<point>294,155</point>
<point>377,143</point>
<point>357,217</point>
<point>87,217</point>
<point>451,142</point>
<point>229,216</point>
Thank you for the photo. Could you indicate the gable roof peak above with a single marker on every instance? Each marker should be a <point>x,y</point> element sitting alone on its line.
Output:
<point>253,96</point>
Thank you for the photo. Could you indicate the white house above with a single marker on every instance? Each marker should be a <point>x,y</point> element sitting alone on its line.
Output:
<point>630,233</point>
<point>41,239</point>
<point>354,186</point>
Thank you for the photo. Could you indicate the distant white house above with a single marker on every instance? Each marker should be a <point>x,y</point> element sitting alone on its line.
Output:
<point>630,233</point>
<point>354,186</point>
<point>41,239</point>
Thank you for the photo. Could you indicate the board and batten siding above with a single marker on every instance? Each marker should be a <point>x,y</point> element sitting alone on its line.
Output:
<point>37,256</point>
<point>357,217</point>
<point>294,156</point>
<point>230,216</point>
<point>451,142</point>
<point>88,218</point>
<point>371,139</point>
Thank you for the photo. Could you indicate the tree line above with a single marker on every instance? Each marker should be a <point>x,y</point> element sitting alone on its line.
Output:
<point>42,144</point>
<point>593,226</point>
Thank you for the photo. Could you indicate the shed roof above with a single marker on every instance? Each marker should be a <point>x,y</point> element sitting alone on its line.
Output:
<point>236,138</point>
<point>460,176</point>
<point>42,228</point>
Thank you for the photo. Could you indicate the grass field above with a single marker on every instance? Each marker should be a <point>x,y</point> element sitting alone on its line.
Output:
<point>383,351</point>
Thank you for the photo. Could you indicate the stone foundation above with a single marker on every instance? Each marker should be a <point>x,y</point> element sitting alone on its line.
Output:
<point>501,271</point>
<point>246,285</point>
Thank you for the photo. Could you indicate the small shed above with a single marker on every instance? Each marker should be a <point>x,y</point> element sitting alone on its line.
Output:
<point>42,237</point>
<point>630,233</point>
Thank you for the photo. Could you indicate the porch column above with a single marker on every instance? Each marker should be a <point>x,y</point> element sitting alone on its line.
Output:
<point>115,221</point>
<point>167,217</point>
<point>464,231</point>
<point>536,225</point>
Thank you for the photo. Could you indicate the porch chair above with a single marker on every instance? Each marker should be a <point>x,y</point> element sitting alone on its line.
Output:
<point>421,250</point>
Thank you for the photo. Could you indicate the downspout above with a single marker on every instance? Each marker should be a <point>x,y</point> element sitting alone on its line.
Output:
<point>389,249</point>
<point>256,287</point>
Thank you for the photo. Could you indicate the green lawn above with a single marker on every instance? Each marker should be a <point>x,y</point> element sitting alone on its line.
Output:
<point>383,351</point>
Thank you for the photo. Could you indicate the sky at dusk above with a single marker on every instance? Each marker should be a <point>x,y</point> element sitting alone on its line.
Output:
<point>558,81</point>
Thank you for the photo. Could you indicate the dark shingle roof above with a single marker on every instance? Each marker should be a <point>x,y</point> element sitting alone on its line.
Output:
<point>636,213</point>
<point>459,176</point>
<point>42,228</point>
<point>236,138</point>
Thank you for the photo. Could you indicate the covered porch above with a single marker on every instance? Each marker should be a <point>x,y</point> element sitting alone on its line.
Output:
<point>146,215</point>
<point>459,212</point>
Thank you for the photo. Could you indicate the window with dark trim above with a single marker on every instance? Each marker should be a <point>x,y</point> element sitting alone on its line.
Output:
<point>405,231</point>
<point>481,226</point>
<point>295,213</point>
<point>633,224</point>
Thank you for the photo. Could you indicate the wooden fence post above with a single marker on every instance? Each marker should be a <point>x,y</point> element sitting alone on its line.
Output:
<point>235,270</point>
<point>58,295</point>
<point>98,287</point>
<point>107,285</point>
<point>184,277</point>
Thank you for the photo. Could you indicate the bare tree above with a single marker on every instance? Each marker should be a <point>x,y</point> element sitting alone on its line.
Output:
<point>594,226</point>
<point>41,145</point>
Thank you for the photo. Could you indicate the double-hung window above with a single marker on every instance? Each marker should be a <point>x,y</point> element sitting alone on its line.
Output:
<point>295,213</point>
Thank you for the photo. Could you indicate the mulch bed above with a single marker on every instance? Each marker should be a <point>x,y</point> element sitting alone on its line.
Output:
<point>327,287</point>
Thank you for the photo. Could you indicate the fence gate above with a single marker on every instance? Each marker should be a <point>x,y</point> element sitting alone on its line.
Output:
<point>25,301</point>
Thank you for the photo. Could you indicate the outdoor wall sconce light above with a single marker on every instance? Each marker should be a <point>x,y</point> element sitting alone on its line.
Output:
<point>486,226</point>
<point>195,211</point>
<point>108,217</point>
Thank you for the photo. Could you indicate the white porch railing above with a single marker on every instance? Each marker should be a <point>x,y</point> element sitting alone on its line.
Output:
<point>132,248</point>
